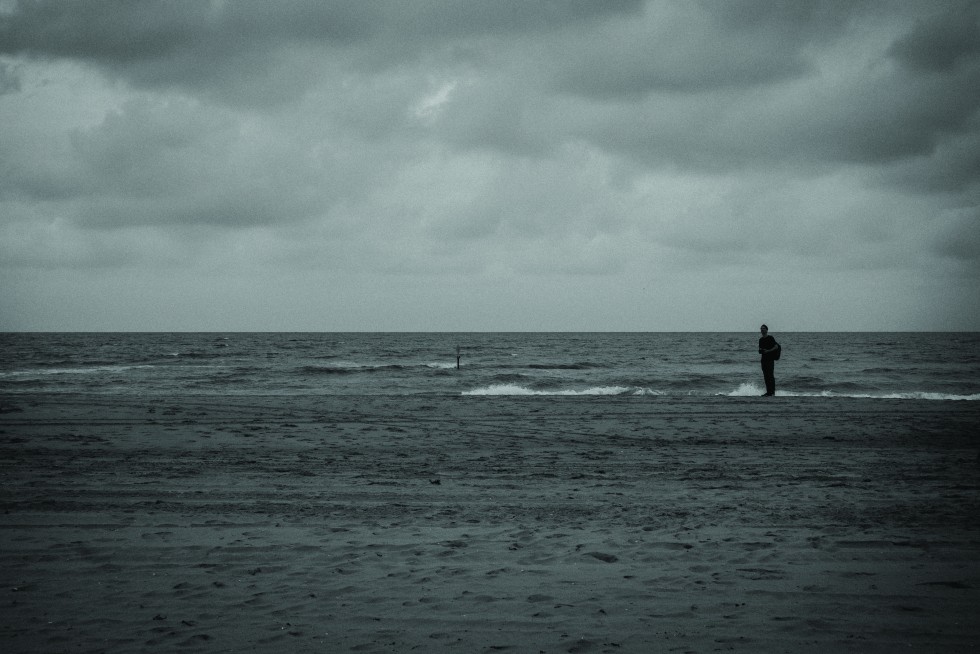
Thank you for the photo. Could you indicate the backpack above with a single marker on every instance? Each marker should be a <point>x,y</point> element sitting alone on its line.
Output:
<point>779,350</point>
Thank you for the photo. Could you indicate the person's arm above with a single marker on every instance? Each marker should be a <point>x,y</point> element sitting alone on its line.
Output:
<point>771,349</point>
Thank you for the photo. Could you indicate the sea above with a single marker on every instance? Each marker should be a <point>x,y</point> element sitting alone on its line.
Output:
<point>915,366</point>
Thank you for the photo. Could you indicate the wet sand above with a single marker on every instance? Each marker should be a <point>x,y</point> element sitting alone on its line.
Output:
<point>534,524</point>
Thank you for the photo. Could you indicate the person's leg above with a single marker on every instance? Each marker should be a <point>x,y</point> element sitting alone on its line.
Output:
<point>769,374</point>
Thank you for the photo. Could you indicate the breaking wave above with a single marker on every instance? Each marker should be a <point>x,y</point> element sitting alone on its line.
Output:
<point>514,389</point>
<point>752,390</point>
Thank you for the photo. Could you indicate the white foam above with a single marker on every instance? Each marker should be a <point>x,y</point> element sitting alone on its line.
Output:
<point>648,391</point>
<point>931,396</point>
<point>514,389</point>
<point>751,390</point>
<point>911,395</point>
<point>88,370</point>
<point>746,390</point>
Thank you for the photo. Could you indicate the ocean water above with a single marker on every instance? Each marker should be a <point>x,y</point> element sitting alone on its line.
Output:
<point>913,366</point>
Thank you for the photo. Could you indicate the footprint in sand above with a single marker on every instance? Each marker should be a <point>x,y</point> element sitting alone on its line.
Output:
<point>602,556</point>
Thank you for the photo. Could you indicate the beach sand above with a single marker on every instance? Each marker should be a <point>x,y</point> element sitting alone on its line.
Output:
<point>482,524</point>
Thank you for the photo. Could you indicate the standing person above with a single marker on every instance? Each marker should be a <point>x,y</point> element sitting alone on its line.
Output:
<point>769,349</point>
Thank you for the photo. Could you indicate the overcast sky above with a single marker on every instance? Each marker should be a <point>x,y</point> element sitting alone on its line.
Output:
<point>456,165</point>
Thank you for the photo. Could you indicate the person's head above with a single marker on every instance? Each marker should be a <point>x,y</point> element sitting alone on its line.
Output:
<point>763,329</point>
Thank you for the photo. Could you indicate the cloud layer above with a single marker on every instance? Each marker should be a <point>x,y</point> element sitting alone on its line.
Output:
<point>508,165</point>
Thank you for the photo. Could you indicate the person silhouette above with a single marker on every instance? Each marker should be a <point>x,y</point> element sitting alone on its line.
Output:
<point>769,349</point>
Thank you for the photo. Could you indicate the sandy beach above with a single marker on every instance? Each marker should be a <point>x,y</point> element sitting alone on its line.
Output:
<point>427,524</point>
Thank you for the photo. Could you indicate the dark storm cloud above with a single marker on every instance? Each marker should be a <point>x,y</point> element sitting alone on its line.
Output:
<point>934,123</point>
<point>720,86</point>
<point>727,58</point>
<point>175,163</point>
<point>196,43</point>
<point>860,113</point>
<point>695,146</point>
<point>170,163</point>
<point>697,47</point>
<point>952,167</point>
<point>212,47</point>
<point>942,42</point>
